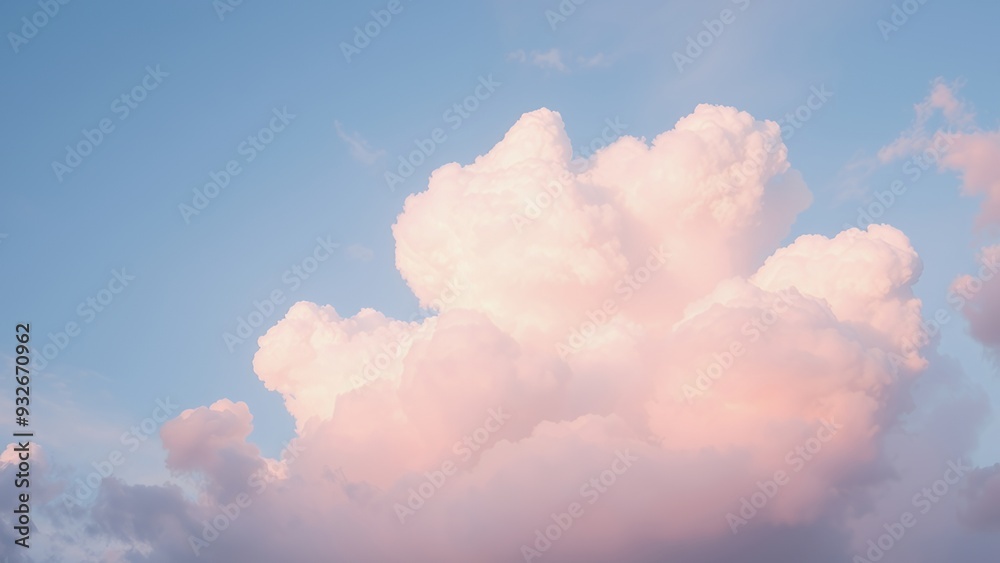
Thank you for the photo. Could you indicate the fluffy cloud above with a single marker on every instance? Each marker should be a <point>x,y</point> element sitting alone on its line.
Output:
<point>976,156</point>
<point>960,146</point>
<point>977,296</point>
<point>624,338</point>
<point>943,99</point>
<point>957,145</point>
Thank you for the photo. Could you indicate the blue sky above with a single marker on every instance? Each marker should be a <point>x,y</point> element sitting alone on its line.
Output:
<point>224,77</point>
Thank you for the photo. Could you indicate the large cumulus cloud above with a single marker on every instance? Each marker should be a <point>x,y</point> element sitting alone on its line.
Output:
<point>625,335</point>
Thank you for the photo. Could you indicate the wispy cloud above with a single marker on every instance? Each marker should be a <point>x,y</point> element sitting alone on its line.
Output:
<point>940,114</point>
<point>360,149</point>
<point>598,60</point>
<point>550,60</point>
<point>942,98</point>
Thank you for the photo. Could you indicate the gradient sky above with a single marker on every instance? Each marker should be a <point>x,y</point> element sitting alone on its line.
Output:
<point>324,173</point>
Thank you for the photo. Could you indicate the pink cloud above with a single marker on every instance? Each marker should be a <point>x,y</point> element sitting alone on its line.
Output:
<point>942,99</point>
<point>976,157</point>
<point>977,297</point>
<point>957,145</point>
<point>974,154</point>
<point>807,348</point>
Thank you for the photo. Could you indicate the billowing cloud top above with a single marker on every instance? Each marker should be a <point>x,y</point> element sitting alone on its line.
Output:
<point>619,351</point>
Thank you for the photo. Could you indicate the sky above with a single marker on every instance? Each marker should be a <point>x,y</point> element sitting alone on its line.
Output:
<point>298,259</point>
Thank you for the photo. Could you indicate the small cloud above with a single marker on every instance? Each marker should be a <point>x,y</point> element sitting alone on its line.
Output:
<point>551,59</point>
<point>956,113</point>
<point>359,147</point>
<point>359,252</point>
<point>600,59</point>
<point>938,116</point>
